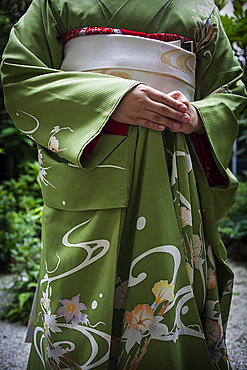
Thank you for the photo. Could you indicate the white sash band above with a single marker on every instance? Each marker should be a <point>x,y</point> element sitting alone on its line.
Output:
<point>162,65</point>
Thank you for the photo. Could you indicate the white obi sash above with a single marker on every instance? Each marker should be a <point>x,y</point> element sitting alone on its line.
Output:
<point>162,65</point>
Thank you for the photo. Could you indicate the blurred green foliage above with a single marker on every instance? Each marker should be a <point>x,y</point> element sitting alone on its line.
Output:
<point>20,225</point>
<point>234,225</point>
<point>236,30</point>
<point>235,26</point>
<point>14,146</point>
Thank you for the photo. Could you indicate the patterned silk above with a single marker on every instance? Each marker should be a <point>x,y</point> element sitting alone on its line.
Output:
<point>166,66</point>
<point>132,272</point>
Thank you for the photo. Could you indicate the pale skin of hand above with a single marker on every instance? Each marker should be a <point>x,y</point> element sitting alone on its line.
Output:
<point>151,108</point>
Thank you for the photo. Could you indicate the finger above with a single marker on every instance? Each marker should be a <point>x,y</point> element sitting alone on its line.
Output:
<point>178,95</point>
<point>159,113</point>
<point>160,97</point>
<point>158,122</point>
<point>150,125</point>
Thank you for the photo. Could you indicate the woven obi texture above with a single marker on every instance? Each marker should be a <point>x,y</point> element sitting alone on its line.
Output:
<point>162,65</point>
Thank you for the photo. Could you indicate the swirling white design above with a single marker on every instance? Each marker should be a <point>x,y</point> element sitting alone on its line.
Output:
<point>183,62</point>
<point>55,269</point>
<point>35,119</point>
<point>40,352</point>
<point>174,155</point>
<point>100,243</point>
<point>182,296</point>
<point>73,165</point>
<point>162,249</point>
<point>111,166</point>
<point>85,330</point>
<point>181,328</point>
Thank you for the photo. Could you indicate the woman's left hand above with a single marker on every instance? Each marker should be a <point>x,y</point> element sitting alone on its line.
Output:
<point>195,123</point>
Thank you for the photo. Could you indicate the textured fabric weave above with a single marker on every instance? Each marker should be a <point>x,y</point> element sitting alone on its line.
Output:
<point>133,272</point>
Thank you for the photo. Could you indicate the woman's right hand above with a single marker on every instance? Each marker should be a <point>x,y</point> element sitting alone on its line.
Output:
<point>151,108</point>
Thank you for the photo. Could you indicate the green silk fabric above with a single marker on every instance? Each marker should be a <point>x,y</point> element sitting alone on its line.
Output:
<point>133,270</point>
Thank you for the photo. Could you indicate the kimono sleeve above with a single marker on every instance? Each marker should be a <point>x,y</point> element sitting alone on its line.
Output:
<point>220,94</point>
<point>61,111</point>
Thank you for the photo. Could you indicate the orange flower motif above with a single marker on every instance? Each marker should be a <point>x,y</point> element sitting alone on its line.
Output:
<point>126,317</point>
<point>163,291</point>
<point>212,331</point>
<point>211,279</point>
<point>142,317</point>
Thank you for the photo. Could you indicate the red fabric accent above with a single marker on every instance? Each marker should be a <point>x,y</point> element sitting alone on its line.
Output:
<point>204,153</point>
<point>84,31</point>
<point>89,148</point>
<point>112,127</point>
<point>116,128</point>
<point>200,142</point>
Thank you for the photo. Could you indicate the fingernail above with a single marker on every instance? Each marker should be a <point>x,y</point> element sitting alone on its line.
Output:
<point>185,119</point>
<point>183,108</point>
<point>161,127</point>
<point>176,125</point>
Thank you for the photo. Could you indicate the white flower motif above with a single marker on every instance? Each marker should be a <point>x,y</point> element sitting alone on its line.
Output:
<point>54,325</point>
<point>210,312</point>
<point>198,262</point>
<point>157,329</point>
<point>131,337</point>
<point>186,217</point>
<point>197,245</point>
<point>45,301</point>
<point>77,320</point>
<point>40,157</point>
<point>47,325</point>
<point>53,144</point>
<point>56,353</point>
<point>50,324</point>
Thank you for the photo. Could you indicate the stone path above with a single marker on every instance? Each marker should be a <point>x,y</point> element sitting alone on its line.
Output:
<point>14,352</point>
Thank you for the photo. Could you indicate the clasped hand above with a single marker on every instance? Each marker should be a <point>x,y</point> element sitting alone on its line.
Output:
<point>151,108</point>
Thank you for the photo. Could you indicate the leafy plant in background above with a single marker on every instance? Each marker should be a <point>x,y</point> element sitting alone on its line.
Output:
<point>242,139</point>
<point>234,225</point>
<point>14,146</point>
<point>20,222</point>
<point>236,30</point>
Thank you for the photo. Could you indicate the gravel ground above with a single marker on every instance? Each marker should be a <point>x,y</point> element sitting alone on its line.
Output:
<point>14,352</point>
<point>237,326</point>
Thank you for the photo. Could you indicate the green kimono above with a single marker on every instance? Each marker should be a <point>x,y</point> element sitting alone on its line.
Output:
<point>133,270</point>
